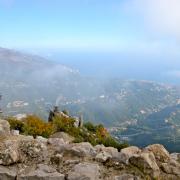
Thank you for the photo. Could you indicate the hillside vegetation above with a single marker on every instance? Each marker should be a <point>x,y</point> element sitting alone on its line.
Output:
<point>35,126</point>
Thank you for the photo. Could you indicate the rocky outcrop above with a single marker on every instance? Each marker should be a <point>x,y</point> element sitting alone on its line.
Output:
<point>7,173</point>
<point>85,171</point>
<point>9,152</point>
<point>130,151</point>
<point>62,135</point>
<point>105,153</point>
<point>4,128</point>
<point>32,151</point>
<point>83,149</point>
<point>41,172</point>
<point>25,158</point>
<point>160,153</point>
<point>146,162</point>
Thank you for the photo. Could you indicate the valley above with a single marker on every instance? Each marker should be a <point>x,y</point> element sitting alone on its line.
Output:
<point>141,112</point>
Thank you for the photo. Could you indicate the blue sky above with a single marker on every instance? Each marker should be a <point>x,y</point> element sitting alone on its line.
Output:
<point>75,24</point>
<point>145,32</point>
<point>138,26</point>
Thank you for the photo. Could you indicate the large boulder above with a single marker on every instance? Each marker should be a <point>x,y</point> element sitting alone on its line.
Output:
<point>172,167</point>
<point>83,149</point>
<point>42,172</point>
<point>58,145</point>
<point>9,153</point>
<point>99,147</point>
<point>146,162</point>
<point>130,151</point>
<point>32,150</point>
<point>105,153</point>
<point>7,173</point>
<point>110,150</point>
<point>120,158</point>
<point>126,153</point>
<point>103,156</point>
<point>41,139</point>
<point>4,128</point>
<point>56,141</point>
<point>160,153</point>
<point>84,171</point>
<point>62,135</point>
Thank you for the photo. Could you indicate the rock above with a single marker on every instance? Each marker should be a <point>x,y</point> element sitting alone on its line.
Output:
<point>32,151</point>
<point>99,147</point>
<point>83,149</point>
<point>56,159</point>
<point>160,153</point>
<point>41,139</point>
<point>15,132</point>
<point>126,177</point>
<point>146,162</point>
<point>62,135</point>
<point>121,158</point>
<point>112,151</point>
<point>84,171</point>
<point>29,137</point>
<point>26,158</point>
<point>126,153</point>
<point>105,153</point>
<point>58,144</point>
<point>56,141</point>
<point>42,172</point>
<point>9,152</point>
<point>172,167</point>
<point>7,173</point>
<point>4,128</point>
<point>102,156</point>
<point>130,151</point>
<point>175,156</point>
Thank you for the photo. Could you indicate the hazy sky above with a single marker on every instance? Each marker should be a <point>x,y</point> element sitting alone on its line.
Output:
<point>151,26</point>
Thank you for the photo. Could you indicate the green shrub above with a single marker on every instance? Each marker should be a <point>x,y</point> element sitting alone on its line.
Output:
<point>90,126</point>
<point>16,124</point>
<point>62,123</point>
<point>111,142</point>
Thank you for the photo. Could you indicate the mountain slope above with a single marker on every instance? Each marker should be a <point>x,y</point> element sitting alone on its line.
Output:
<point>31,84</point>
<point>40,82</point>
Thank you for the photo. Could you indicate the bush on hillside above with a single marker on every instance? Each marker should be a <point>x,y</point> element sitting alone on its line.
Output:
<point>90,126</point>
<point>94,134</point>
<point>35,126</point>
<point>16,124</point>
<point>62,123</point>
<point>111,142</point>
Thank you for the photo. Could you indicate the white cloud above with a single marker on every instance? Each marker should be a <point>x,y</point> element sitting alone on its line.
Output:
<point>162,16</point>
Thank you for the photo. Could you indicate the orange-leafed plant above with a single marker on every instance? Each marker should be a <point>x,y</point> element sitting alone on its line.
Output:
<point>35,126</point>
